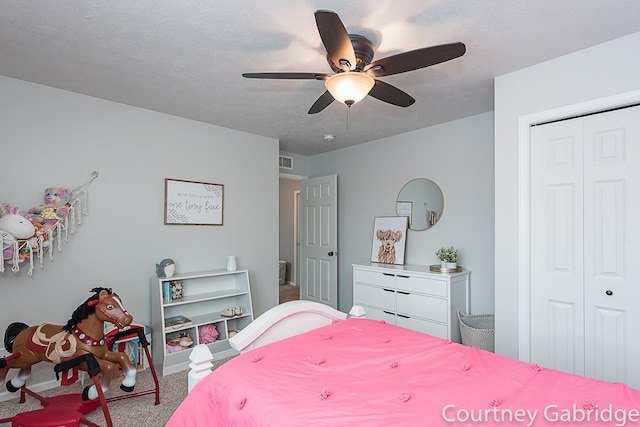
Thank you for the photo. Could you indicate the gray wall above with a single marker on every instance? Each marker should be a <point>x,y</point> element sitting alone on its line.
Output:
<point>52,137</point>
<point>459,157</point>
<point>605,70</point>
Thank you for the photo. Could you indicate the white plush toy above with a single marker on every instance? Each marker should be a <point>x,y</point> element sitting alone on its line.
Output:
<point>14,226</point>
<point>19,226</point>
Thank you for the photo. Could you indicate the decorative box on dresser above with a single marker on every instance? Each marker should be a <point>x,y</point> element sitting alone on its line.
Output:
<point>204,297</point>
<point>412,296</point>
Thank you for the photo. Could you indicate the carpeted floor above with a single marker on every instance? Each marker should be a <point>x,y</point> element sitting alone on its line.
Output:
<point>289,293</point>
<point>136,412</point>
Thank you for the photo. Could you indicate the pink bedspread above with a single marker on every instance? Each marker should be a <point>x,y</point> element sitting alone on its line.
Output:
<point>367,373</point>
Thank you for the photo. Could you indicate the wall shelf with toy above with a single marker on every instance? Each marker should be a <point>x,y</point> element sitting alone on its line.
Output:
<point>26,236</point>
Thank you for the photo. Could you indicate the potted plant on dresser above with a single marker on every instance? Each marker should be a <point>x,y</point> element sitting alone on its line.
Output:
<point>448,258</point>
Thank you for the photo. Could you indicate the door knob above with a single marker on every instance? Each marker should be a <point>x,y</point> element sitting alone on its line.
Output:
<point>332,253</point>
<point>609,292</point>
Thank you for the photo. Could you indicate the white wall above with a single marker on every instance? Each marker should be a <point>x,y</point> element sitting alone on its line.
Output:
<point>602,71</point>
<point>52,137</point>
<point>457,155</point>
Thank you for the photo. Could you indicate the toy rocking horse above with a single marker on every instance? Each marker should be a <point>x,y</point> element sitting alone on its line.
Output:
<point>83,333</point>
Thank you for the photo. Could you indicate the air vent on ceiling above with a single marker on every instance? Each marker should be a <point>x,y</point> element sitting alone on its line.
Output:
<point>286,162</point>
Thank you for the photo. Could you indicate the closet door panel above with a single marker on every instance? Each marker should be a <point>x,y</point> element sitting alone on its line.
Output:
<point>608,359</point>
<point>557,327</point>
<point>612,245</point>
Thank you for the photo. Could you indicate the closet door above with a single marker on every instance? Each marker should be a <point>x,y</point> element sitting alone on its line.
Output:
<point>557,281</point>
<point>585,218</point>
<point>612,245</point>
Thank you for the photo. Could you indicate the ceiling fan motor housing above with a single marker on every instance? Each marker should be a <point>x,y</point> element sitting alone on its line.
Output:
<point>363,49</point>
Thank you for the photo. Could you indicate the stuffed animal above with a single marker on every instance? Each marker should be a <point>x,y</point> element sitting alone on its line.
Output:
<point>55,208</point>
<point>19,226</point>
<point>166,268</point>
<point>208,333</point>
<point>183,340</point>
<point>14,226</point>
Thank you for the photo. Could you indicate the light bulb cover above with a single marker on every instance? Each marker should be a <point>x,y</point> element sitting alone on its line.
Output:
<point>349,87</point>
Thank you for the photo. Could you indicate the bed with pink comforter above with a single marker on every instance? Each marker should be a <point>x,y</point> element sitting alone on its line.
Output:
<point>362,372</point>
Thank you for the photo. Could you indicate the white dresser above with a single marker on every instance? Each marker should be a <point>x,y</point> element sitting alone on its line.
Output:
<point>412,296</point>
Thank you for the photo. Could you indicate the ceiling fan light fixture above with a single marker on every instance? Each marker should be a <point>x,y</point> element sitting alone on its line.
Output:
<point>349,87</point>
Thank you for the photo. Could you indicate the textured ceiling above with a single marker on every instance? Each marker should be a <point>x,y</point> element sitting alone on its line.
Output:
<point>186,57</point>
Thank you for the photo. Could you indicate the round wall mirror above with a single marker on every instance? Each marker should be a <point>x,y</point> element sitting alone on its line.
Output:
<point>422,201</point>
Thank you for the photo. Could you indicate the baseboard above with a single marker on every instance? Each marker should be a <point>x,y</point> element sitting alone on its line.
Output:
<point>42,378</point>
<point>36,387</point>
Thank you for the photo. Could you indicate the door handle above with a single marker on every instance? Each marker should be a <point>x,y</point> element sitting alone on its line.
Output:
<point>332,253</point>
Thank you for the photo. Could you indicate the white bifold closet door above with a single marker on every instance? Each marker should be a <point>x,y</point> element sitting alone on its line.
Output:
<point>585,246</point>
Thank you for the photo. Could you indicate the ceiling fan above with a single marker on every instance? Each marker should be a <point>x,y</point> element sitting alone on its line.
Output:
<point>350,55</point>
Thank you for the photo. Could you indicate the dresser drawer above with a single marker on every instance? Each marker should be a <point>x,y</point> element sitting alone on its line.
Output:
<point>422,306</point>
<point>374,313</point>
<point>374,278</point>
<point>382,298</point>
<point>423,285</point>
<point>434,329</point>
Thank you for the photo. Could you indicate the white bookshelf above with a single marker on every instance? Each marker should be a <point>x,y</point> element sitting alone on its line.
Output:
<point>205,295</point>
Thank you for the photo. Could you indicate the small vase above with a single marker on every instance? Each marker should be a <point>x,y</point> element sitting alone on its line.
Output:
<point>231,263</point>
<point>451,265</point>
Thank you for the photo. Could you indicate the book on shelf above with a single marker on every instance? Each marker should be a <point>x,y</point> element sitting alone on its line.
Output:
<point>176,322</point>
<point>172,290</point>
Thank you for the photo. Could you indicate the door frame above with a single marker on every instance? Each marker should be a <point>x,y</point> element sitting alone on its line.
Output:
<point>296,213</point>
<point>296,237</point>
<point>524,181</point>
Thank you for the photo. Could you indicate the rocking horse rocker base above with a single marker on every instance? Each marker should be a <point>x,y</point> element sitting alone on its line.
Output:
<point>66,410</point>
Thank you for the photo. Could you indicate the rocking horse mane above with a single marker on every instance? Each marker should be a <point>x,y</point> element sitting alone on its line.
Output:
<point>84,310</point>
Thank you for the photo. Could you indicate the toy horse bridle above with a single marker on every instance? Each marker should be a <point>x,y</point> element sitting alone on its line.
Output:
<point>113,319</point>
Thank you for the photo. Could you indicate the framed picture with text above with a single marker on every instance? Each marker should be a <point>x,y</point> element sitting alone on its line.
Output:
<point>192,202</point>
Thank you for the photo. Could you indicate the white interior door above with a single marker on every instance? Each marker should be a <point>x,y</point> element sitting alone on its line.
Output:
<point>612,246</point>
<point>557,282</point>
<point>585,223</point>
<point>319,240</point>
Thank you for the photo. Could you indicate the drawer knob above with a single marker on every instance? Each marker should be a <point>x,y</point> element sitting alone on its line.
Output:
<point>609,292</point>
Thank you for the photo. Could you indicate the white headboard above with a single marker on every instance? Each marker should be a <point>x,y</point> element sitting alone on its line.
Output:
<point>283,321</point>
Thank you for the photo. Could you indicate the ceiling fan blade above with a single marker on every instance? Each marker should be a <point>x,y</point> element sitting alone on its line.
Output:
<point>321,103</point>
<point>391,94</point>
<point>415,59</point>
<point>300,76</point>
<point>335,39</point>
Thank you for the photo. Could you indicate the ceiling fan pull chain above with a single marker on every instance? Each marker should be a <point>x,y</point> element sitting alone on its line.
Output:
<point>348,115</point>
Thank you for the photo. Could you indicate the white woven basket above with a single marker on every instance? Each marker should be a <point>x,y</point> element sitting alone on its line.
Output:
<point>478,330</point>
